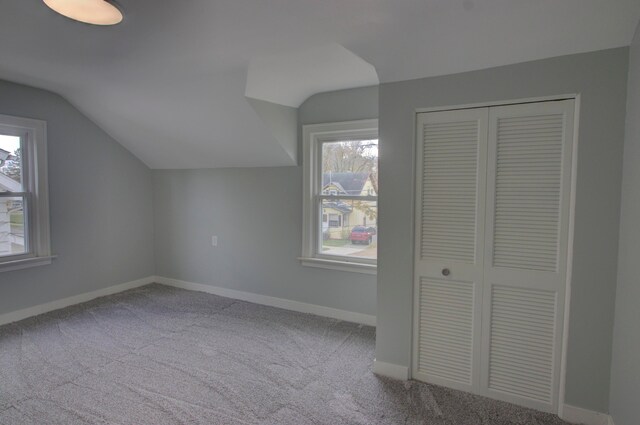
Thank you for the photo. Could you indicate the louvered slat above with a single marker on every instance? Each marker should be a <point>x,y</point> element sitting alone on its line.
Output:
<point>528,188</point>
<point>449,180</point>
<point>446,330</point>
<point>522,342</point>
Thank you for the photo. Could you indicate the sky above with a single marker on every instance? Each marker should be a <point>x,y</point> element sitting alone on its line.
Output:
<point>9,143</point>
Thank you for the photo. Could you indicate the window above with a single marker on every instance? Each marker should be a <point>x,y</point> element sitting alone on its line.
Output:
<point>24,203</point>
<point>335,220</point>
<point>341,195</point>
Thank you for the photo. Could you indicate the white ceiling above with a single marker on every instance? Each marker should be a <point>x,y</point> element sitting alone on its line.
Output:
<point>290,77</point>
<point>169,82</point>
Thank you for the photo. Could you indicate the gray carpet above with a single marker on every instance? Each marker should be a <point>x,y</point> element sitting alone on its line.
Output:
<point>160,355</point>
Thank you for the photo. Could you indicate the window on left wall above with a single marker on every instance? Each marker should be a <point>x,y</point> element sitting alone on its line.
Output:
<point>24,200</point>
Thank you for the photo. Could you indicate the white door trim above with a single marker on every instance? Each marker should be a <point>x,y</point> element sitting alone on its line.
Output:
<point>571,230</point>
<point>497,103</point>
<point>569,271</point>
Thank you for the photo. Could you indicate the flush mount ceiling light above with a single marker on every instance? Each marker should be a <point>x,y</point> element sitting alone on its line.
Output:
<point>95,12</point>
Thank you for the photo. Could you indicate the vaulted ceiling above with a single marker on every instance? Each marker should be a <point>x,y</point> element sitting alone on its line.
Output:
<point>171,82</point>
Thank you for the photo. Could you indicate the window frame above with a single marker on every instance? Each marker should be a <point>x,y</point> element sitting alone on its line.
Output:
<point>314,135</point>
<point>35,192</point>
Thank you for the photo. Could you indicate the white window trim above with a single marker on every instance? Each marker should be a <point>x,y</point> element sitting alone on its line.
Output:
<point>313,135</point>
<point>35,155</point>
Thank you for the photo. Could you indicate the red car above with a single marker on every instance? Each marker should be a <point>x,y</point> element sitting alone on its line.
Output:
<point>361,234</point>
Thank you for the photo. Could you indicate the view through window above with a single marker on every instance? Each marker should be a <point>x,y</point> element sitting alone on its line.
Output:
<point>348,199</point>
<point>12,198</point>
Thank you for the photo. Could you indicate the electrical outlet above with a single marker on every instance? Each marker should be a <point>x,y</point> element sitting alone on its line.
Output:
<point>214,241</point>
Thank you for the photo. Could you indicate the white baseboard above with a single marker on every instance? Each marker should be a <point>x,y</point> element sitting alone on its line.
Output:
<point>334,313</point>
<point>17,315</point>
<point>391,370</point>
<point>578,415</point>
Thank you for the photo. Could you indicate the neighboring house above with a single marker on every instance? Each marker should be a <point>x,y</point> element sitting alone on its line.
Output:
<point>9,237</point>
<point>339,217</point>
<point>4,155</point>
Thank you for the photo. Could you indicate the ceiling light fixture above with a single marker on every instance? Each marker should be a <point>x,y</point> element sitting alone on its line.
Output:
<point>95,12</point>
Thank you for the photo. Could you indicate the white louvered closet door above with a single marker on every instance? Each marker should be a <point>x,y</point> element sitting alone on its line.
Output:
<point>528,187</point>
<point>449,246</point>
<point>492,223</point>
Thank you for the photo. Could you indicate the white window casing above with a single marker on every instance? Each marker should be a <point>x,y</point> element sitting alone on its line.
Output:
<point>35,194</point>
<point>313,137</point>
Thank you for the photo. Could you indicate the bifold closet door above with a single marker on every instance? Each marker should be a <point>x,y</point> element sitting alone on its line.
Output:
<point>449,247</point>
<point>526,243</point>
<point>492,222</point>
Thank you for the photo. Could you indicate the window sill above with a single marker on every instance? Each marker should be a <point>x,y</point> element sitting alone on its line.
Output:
<point>26,263</point>
<point>345,266</point>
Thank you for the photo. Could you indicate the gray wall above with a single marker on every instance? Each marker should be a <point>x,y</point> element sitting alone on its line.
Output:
<point>625,365</point>
<point>257,215</point>
<point>100,206</point>
<point>601,79</point>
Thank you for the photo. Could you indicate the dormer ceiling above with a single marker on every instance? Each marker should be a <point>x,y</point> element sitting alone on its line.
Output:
<point>171,81</point>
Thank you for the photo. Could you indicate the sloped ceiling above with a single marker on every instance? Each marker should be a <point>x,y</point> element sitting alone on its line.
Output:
<point>169,82</point>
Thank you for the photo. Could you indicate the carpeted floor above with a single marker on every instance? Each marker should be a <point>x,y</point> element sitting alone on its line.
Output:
<point>159,355</point>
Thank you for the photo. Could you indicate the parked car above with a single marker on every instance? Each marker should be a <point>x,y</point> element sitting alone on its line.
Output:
<point>372,230</point>
<point>360,234</point>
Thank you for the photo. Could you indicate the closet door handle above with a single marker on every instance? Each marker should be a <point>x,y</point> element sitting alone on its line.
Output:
<point>446,272</point>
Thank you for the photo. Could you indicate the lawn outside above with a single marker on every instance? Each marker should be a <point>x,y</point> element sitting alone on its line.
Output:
<point>335,242</point>
<point>344,247</point>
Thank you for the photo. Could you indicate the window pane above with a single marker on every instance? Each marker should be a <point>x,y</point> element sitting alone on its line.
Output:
<point>351,229</point>
<point>10,164</point>
<point>350,168</point>
<point>12,220</point>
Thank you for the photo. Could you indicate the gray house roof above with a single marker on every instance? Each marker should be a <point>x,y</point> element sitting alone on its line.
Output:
<point>351,183</point>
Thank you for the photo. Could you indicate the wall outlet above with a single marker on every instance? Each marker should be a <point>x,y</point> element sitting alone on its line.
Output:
<point>214,241</point>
